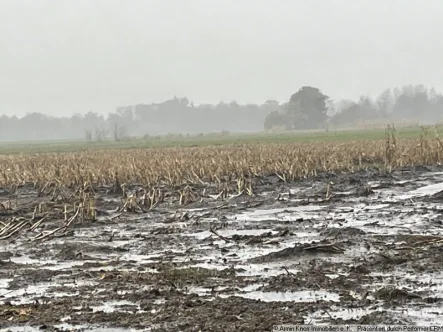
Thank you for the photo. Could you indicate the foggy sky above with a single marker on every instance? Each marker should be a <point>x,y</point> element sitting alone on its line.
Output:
<point>61,57</point>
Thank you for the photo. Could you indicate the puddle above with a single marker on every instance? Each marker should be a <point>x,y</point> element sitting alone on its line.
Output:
<point>253,287</point>
<point>265,271</point>
<point>301,296</point>
<point>49,264</point>
<point>432,283</point>
<point>70,327</point>
<point>424,315</point>
<point>141,259</point>
<point>57,266</point>
<point>231,232</point>
<point>27,260</point>
<point>4,283</point>
<point>242,254</point>
<point>28,294</point>
<point>113,306</point>
<point>289,213</point>
<point>337,313</point>
<point>203,291</point>
<point>428,190</point>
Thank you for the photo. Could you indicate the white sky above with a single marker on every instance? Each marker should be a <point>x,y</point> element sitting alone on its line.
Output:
<point>60,57</point>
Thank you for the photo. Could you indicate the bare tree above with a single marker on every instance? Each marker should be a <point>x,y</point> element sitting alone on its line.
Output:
<point>100,134</point>
<point>88,135</point>
<point>119,132</point>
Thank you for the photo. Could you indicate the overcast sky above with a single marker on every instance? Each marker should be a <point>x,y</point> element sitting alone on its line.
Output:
<point>61,57</point>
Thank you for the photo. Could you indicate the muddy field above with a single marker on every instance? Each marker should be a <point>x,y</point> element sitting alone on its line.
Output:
<point>368,250</point>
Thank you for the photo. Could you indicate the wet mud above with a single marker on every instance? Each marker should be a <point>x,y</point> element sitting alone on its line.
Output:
<point>360,248</point>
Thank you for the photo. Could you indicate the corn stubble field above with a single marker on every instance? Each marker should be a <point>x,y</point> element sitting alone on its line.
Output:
<point>253,235</point>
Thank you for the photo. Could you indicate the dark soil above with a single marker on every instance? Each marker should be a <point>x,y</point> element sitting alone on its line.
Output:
<point>366,254</point>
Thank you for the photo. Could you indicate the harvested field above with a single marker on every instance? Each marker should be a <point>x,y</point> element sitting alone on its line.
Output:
<point>217,238</point>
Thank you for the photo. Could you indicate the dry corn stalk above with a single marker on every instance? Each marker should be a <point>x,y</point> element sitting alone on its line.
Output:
<point>172,169</point>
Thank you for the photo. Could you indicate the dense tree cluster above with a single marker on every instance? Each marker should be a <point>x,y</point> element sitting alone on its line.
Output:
<point>308,108</point>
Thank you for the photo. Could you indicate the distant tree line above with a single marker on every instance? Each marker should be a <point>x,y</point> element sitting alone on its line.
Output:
<point>410,103</point>
<point>177,115</point>
<point>308,108</point>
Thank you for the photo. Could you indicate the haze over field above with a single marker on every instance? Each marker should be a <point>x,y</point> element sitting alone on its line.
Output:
<point>60,58</point>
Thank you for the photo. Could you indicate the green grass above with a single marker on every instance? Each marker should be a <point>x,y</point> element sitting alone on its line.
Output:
<point>204,140</point>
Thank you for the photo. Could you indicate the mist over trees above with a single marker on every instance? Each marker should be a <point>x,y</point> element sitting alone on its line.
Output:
<point>177,115</point>
<point>307,108</point>
<point>410,104</point>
